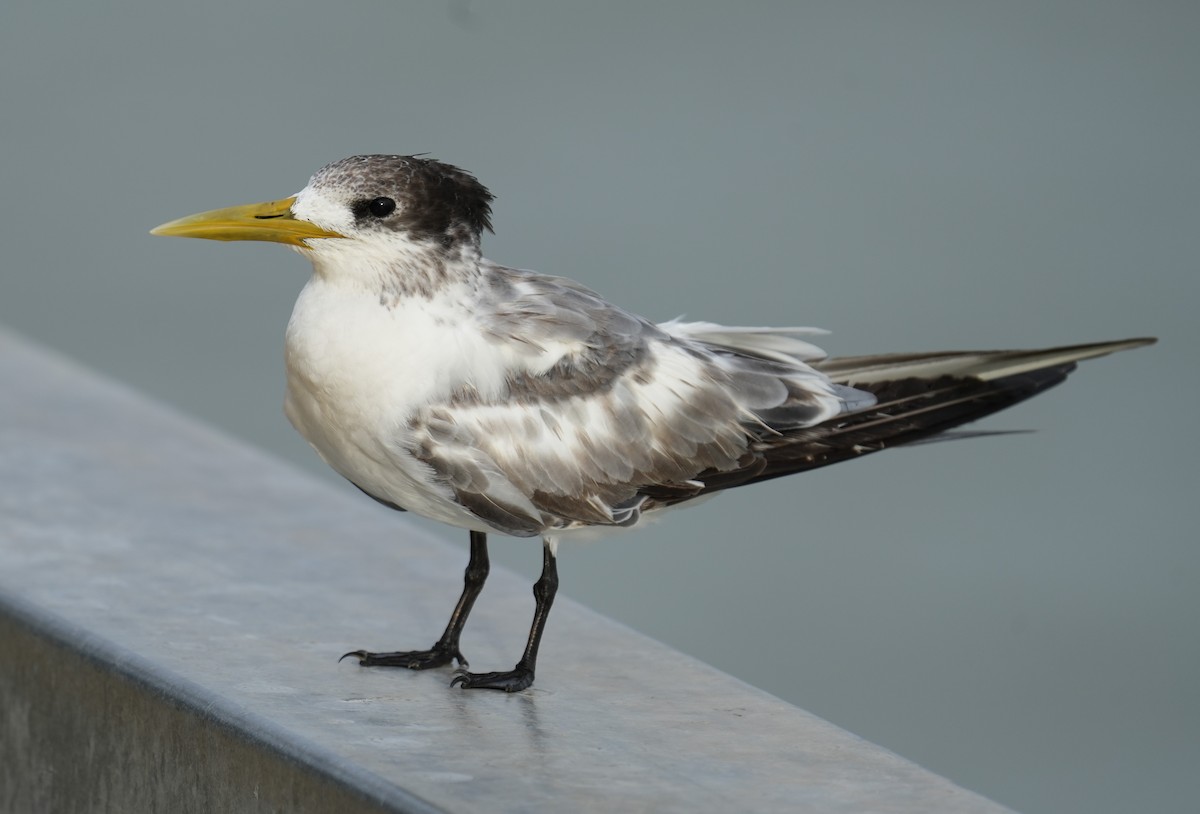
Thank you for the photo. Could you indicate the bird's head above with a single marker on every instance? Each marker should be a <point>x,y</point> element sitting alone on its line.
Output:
<point>363,203</point>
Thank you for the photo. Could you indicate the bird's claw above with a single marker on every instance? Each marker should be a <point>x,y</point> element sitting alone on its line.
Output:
<point>509,681</point>
<point>410,659</point>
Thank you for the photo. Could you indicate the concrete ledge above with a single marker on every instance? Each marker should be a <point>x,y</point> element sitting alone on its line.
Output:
<point>172,606</point>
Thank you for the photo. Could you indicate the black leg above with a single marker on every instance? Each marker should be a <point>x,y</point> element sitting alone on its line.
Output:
<point>522,675</point>
<point>446,648</point>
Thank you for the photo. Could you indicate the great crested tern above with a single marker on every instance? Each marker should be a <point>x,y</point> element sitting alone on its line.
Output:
<point>498,399</point>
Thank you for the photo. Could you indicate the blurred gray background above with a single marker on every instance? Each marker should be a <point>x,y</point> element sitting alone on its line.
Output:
<point>1017,613</point>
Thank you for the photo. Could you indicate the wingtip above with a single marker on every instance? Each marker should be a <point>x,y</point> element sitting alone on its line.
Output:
<point>1021,361</point>
<point>1115,346</point>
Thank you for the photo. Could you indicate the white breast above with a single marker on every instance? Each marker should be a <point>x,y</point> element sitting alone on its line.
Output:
<point>357,369</point>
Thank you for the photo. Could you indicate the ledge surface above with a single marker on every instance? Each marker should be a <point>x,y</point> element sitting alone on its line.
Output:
<point>173,603</point>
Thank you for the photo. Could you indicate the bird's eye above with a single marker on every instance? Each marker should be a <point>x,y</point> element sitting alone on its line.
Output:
<point>381,207</point>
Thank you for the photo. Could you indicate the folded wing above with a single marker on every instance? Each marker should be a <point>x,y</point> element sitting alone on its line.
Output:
<point>647,416</point>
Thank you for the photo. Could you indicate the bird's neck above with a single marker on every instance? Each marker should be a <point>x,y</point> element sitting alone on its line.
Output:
<point>397,271</point>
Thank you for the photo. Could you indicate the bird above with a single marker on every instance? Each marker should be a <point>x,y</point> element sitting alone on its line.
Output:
<point>502,400</point>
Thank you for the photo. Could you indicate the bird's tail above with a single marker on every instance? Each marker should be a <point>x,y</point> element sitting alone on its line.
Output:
<point>918,397</point>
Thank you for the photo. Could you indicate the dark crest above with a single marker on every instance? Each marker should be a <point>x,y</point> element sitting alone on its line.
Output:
<point>436,201</point>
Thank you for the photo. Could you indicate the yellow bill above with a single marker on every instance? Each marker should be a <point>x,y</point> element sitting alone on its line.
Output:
<point>272,221</point>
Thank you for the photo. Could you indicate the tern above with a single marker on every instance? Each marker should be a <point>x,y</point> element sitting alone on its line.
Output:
<point>502,400</point>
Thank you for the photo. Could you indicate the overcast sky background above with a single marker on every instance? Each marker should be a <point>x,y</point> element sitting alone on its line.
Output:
<point>1017,613</point>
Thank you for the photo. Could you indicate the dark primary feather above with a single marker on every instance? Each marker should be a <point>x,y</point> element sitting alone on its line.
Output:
<point>908,410</point>
<point>921,406</point>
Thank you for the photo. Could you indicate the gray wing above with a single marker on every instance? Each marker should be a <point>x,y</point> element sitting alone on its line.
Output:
<point>623,422</point>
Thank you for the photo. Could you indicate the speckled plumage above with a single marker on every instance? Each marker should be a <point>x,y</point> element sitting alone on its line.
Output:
<point>497,399</point>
